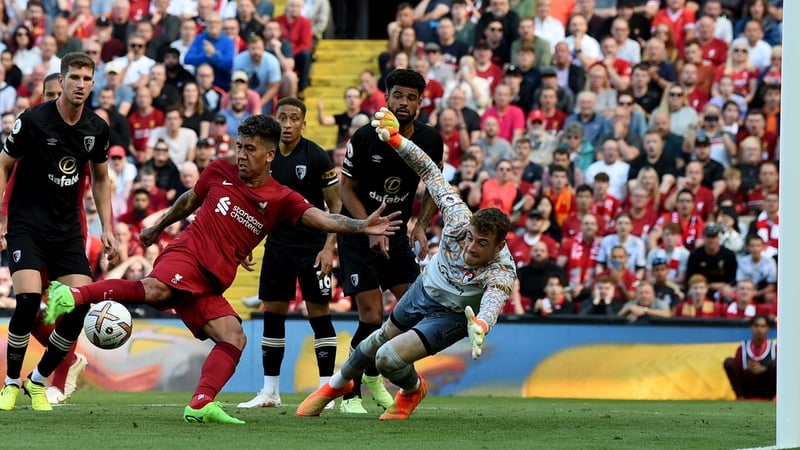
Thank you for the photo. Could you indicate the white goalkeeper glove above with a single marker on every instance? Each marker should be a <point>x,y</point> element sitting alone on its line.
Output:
<point>477,329</point>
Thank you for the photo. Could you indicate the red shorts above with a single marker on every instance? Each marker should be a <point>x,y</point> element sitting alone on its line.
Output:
<point>199,297</point>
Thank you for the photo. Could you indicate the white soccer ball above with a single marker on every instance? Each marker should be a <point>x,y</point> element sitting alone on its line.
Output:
<point>108,325</point>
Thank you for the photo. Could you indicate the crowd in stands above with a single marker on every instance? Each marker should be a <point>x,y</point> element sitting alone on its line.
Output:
<point>633,143</point>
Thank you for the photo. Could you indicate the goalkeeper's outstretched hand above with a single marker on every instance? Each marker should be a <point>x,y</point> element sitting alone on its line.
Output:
<point>477,332</point>
<point>388,128</point>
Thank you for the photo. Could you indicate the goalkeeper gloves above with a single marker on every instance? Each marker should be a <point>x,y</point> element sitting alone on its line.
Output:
<point>477,329</point>
<point>388,128</point>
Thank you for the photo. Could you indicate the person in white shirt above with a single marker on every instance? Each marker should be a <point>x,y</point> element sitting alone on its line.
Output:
<point>182,141</point>
<point>634,246</point>
<point>762,270</point>
<point>135,65</point>
<point>613,166</point>
<point>585,49</point>
<point>723,28</point>
<point>629,50</point>
<point>760,50</point>
<point>548,27</point>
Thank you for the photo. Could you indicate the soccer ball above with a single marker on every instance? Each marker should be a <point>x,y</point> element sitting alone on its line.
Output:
<point>108,325</point>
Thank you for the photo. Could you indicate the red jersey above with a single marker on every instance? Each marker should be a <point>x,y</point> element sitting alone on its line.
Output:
<point>629,280</point>
<point>554,123</point>
<point>642,225</point>
<point>298,32</point>
<point>500,197</point>
<point>622,68</point>
<point>607,208</point>
<point>769,143</point>
<point>697,99</point>
<point>493,74</point>
<point>715,53</point>
<point>581,259</point>
<point>520,248</point>
<point>679,21</point>
<point>433,93</point>
<point>735,311</point>
<point>141,127</point>
<point>691,228</point>
<point>511,120</point>
<point>453,141</point>
<point>703,200</point>
<point>572,226</point>
<point>767,229</point>
<point>741,79</point>
<point>373,103</point>
<point>235,218</point>
<point>709,309</point>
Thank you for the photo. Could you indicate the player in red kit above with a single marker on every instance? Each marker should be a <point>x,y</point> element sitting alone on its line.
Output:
<point>238,205</point>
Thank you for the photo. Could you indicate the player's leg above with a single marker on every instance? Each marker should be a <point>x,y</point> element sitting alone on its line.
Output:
<point>212,317</point>
<point>27,283</point>
<point>734,371</point>
<point>316,292</point>
<point>276,288</point>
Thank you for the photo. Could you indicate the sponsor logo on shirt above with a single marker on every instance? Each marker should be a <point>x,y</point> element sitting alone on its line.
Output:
<point>69,176</point>
<point>177,278</point>
<point>223,205</point>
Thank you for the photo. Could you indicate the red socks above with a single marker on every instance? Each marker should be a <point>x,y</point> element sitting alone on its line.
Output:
<point>122,291</point>
<point>217,370</point>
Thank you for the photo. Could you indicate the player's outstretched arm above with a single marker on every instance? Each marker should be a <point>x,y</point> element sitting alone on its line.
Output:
<point>185,205</point>
<point>374,224</point>
<point>388,129</point>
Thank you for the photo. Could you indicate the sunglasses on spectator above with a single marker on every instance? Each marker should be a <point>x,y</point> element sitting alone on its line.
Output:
<point>162,149</point>
<point>676,94</point>
<point>503,169</point>
<point>136,45</point>
<point>739,50</point>
<point>496,29</point>
<point>624,103</point>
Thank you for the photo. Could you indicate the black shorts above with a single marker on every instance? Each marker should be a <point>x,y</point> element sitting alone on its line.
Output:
<point>364,270</point>
<point>60,255</point>
<point>283,267</point>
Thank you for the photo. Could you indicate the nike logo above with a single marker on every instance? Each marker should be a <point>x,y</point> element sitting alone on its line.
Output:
<point>227,183</point>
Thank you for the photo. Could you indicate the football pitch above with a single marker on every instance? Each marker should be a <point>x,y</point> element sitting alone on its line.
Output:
<point>153,420</point>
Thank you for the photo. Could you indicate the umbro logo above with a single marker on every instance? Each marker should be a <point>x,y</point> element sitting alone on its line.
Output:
<point>227,183</point>
<point>377,158</point>
<point>223,205</point>
<point>52,141</point>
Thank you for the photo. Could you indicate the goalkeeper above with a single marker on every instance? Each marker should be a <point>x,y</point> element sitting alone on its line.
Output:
<point>473,270</point>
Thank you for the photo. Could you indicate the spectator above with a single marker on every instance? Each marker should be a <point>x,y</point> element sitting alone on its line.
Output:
<point>555,300</point>
<point>548,27</point>
<point>500,11</point>
<point>633,245</point>
<point>263,71</point>
<point>126,174</point>
<point>464,27</point>
<point>586,115</point>
<point>577,257</point>
<point>645,95</point>
<point>26,54</point>
<point>13,74</point>
<point>166,28</point>
<point>499,192</point>
<point>476,89</point>
<point>237,111</point>
<point>666,289</point>
<point>613,166</point>
<point>685,216</point>
<point>714,51</point>
<point>723,28</point>
<point>766,224</point>
<point>605,205</point>
<point>466,178</point>
<point>374,98</point>
<point>756,125</point>
<point>672,252</point>
<point>551,100</point>
<point>180,141</point>
<point>697,304</point>
<point>187,35</point>
<point>761,270</point>
<point>142,122</point>
<point>767,184</point>
<point>580,152</point>
<point>645,305</point>
<point>599,84</point>
<point>298,30</point>
<point>742,71</point>
<point>521,247</point>
<point>693,181</point>
<point>7,122</point>
<point>728,222</point>
<point>66,41</point>
<point>655,158</point>
<point>495,147</point>
<point>8,94</point>
<point>204,154</point>
<point>757,12</point>
<point>164,95</point>
<point>528,38</point>
<point>441,69</point>
<point>752,372</point>
<point>550,227</point>
<point>221,140</point>
<point>212,95</point>
<point>213,48</point>
<point>189,174</point>
<point>139,209</point>
<point>602,301</point>
<point>640,208</point>
<point>352,101</point>
<point>494,41</point>
<point>584,48</point>
<point>319,13</point>
<point>570,76</point>
<point>715,262</point>
<point>165,169</point>
<point>408,44</point>
<point>147,181</point>
<point>135,66</point>
<point>627,49</point>
<point>282,49</point>
<point>583,203</point>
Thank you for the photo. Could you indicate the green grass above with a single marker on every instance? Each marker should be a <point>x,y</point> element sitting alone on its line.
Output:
<point>152,420</point>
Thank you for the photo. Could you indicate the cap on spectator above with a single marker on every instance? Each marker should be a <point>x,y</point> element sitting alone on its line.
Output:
<point>536,116</point>
<point>711,230</point>
<point>116,150</point>
<point>513,70</point>
<point>482,45</point>
<point>658,261</point>
<point>432,47</point>
<point>103,21</point>
<point>219,118</point>
<point>729,211</point>
<point>203,142</point>
<point>702,139</point>
<point>240,75</point>
<point>549,71</point>
<point>536,213</point>
<point>113,67</point>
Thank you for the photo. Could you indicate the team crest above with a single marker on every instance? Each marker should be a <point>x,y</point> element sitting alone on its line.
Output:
<point>88,143</point>
<point>354,279</point>
<point>468,276</point>
<point>300,171</point>
<point>16,255</point>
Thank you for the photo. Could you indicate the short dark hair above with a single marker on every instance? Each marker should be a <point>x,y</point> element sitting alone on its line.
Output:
<point>492,221</point>
<point>758,317</point>
<point>406,78</point>
<point>292,101</point>
<point>51,77</point>
<point>264,127</point>
<point>685,191</point>
<point>77,60</point>
<point>584,188</point>
<point>141,191</point>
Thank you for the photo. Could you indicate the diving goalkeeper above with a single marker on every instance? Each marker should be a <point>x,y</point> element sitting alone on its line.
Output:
<point>473,270</point>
